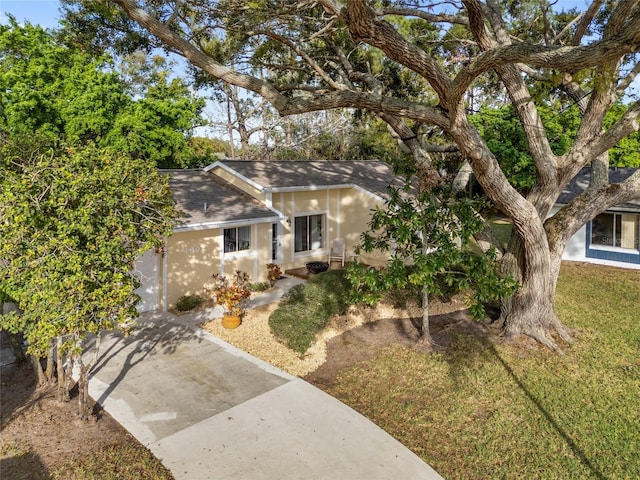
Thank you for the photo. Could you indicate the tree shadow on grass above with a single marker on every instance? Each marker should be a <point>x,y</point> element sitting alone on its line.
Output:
<point>24,466</point>
<point>469,345</point>
<point>17,392</point>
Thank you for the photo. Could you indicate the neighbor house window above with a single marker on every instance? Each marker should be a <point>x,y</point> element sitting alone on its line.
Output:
<point>237,239</point>
<point>308,232</point>
<point>615,230</point>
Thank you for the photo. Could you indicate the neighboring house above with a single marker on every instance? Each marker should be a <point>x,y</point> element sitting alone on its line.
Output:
<point>611,238</point>
<point>242,215</point>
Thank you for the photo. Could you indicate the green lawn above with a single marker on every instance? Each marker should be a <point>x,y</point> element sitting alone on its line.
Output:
<point>494,411</point>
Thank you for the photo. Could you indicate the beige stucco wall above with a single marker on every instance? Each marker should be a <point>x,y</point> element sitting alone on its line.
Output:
<point>347,213</point>
<point>193,256</point>
<point>355,211</point>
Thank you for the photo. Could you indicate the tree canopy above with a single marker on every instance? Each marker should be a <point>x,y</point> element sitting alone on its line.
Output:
<point>424,68</point>
<point>73,221</point>
<point>50,87</point>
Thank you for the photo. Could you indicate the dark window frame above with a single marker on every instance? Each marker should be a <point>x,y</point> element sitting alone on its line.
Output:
<point>306,233</point>
<point>235,241</point>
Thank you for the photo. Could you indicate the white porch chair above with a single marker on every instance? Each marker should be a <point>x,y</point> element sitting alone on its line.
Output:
<point>338,250</point>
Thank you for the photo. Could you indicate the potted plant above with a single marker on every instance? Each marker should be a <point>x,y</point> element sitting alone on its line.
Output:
<point>273,273</point>
<point>230,293</point>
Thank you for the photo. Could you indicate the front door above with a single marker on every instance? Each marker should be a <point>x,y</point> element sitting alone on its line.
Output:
<point>275,243</point>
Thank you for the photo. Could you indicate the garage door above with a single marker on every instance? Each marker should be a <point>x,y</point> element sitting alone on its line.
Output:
<point>147,270</point>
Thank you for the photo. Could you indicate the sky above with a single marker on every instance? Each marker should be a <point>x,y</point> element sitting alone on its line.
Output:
<point>42,12</point>
<point>45,12</point>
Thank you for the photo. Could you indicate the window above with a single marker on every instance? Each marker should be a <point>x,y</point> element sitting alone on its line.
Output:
<point>615,230</point>
<point>237,239</point>
<point>308,232</point>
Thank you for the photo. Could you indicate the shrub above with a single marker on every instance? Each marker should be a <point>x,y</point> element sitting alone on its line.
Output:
<point>259,286</point>
<point>273,272</point>
<point>231,292</point>
<point>306,308</point>
<point>188,302</point>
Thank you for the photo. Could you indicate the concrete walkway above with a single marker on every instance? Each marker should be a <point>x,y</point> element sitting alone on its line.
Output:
<point>210,411</point>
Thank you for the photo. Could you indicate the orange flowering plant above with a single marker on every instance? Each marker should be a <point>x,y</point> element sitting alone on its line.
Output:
<point>230,293</point>
<point>273,272</point>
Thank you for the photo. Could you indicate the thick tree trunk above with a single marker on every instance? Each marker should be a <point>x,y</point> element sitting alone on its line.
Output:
<point>530,311</point>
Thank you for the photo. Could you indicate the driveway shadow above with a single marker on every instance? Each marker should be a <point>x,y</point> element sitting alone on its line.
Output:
<point>153,334</point>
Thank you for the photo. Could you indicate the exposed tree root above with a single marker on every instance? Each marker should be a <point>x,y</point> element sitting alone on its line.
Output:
<point>541,332</point>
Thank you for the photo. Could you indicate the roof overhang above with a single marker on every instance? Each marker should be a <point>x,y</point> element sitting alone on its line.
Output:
<point>227,224</point>
<point>235,173</point>
<point>297,188</point>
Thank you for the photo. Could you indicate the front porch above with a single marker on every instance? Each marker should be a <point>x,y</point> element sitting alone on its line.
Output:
<point>303,273</point>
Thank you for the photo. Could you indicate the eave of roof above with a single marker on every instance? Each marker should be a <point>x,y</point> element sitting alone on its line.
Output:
<point>371,176</point>
<point>581,181</point>
<point>207,201</point>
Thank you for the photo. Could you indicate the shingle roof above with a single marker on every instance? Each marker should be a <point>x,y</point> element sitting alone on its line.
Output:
<point>581,181</point>
<point>371,175</point>
<point>192,189</point>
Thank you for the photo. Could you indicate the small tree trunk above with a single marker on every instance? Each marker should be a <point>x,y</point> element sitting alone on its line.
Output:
<point>425,333</point>
<point>37,369</point>
<point>229,121</point>
<point>63,392</point>
<point>68,376</point>
<point>84,410</point>
<point>241,123</point>
<point>49,373</point>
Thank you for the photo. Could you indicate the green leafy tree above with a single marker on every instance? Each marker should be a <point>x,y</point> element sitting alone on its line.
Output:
<point>158,126</point>
<point>51,88</point>
<point>626,153</point>
<point>505,137</point>
<point>48,88</point>
<point>332,54</point>
<point>73,221</point>
<point>430,235</point>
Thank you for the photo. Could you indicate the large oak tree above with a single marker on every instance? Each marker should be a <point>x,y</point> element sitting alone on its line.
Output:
<point>319,55</point>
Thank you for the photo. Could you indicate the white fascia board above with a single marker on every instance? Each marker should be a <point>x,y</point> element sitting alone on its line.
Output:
<point>211,166</point>
<point>230,170</point>
<point>230,223</point>
<point>616,209</point>
<point>370,194</point>
<point>269,205</point>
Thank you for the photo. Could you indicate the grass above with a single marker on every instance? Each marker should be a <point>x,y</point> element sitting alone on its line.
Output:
<point>306,309</point>
<point>115,462</point>
<point>502,230</point>
<point>481,410</point>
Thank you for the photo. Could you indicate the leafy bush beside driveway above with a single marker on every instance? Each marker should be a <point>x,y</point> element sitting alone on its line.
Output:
<point>306,308</point>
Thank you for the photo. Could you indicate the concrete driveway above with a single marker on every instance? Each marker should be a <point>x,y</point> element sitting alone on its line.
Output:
<point>210,411</point>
